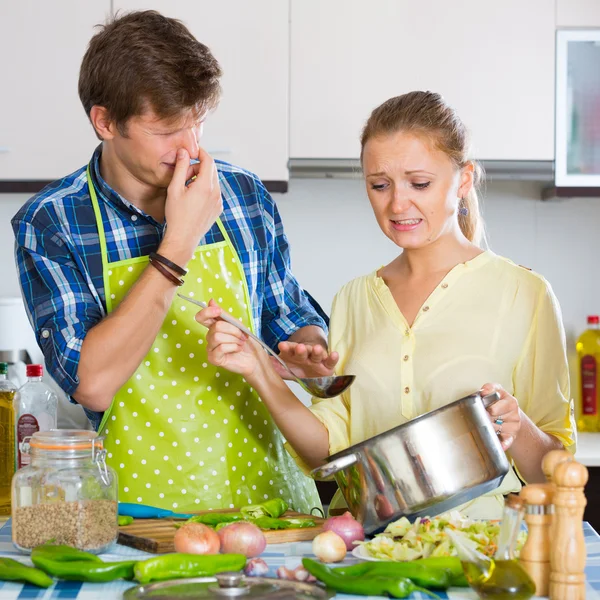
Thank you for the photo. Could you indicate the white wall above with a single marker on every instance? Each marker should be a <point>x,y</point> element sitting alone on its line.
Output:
<point>334,237</point>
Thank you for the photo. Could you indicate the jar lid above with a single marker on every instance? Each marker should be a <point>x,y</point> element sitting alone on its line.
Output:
<point>66,439</point>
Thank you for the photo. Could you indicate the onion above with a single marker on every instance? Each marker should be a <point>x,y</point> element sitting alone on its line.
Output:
<point>329,547</point>
<point>256,567</point>
<point>347,527</point>
<point>297,574</point>
<point>196,538</point>
<point>285,573</point>
<point>301,574</point>
<point>242,538</point>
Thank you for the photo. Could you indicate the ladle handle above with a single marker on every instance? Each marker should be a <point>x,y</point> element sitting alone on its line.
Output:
<point>225,317</point>
<point>330,468</point>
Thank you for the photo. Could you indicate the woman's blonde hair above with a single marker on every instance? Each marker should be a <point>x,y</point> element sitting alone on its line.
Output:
<point>426,113</point>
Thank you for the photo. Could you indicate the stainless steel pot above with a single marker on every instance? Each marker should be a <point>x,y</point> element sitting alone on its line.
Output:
<point>425,467</point>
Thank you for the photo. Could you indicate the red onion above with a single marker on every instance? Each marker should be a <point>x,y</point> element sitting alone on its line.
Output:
<point>242,538</point>
<point>297,574</point>
<point>347,527</point>
<point>285,573</point>
<point>256,567</point>
<point>301,574</point>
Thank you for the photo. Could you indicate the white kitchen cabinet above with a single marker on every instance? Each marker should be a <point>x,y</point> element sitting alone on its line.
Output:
<point>44,131</point>
<point>577,109</point>
<point>577,13</point>
<point>251,42</point>
<point>493,61</point>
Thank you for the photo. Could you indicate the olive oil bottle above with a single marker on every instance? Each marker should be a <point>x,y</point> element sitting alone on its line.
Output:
<point>588,357</point>
<point>501,577</point>
<point>8,393</point>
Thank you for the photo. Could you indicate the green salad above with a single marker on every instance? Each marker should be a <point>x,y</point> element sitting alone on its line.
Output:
<point>403,540</point>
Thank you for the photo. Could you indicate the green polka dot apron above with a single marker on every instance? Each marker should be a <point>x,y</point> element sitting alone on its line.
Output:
<point>181,433</point>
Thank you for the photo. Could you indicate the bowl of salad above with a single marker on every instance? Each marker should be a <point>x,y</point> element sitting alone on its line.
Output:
<point>427,537</point>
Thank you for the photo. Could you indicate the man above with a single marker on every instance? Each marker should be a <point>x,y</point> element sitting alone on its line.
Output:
<point>102,252</point>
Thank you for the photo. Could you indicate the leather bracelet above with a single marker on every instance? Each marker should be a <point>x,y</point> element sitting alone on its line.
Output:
<point>165,261</point>
<point>166,273</point>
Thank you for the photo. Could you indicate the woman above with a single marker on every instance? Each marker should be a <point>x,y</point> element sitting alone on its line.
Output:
<point>435,324</point>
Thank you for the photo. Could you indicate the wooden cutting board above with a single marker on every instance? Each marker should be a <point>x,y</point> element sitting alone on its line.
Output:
<point>156,535</point>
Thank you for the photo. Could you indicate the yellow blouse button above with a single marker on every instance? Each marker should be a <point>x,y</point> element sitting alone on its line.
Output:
<point>407,332</point>
<point>425,308</point>
<point>405,357</point>
<point>444,285</point>
<point>406,390</point>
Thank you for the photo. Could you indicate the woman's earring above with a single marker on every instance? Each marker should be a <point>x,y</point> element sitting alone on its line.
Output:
<point>463,210</point>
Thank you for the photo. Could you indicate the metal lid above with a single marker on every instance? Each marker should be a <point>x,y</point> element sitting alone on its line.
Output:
<point>66,439</point>
<point>228,585</point>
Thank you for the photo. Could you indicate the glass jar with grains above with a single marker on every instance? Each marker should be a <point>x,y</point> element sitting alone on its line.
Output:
<point>67,494</point>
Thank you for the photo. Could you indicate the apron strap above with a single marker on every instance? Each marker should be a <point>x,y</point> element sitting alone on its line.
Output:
<point>101,233</point>
<point>102,237</point>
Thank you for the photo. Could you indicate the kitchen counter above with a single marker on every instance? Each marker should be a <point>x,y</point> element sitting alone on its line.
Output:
<point>288,555</point>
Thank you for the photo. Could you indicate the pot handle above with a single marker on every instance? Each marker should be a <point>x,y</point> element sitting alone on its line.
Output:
<point>490,399</point>
<point>330,468</point>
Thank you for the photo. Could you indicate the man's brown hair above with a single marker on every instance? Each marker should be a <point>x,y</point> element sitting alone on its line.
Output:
<point>144,60</point>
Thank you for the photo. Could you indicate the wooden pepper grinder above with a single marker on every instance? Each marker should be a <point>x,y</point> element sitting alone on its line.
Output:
<point>535,554</point>
<point>567,551</point>
<point>551,460</point>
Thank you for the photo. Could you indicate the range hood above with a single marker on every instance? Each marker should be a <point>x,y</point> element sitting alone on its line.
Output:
<point>541,171</point>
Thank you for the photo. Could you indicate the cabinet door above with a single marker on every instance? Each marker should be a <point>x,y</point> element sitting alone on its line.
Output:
<point>577,13</point>
<point>251,42</point>
<point>44,131</point>
<point>577,108</point>
<point>493,61</point>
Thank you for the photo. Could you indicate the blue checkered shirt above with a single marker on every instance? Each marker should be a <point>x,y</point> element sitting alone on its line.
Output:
<point>60,265</point>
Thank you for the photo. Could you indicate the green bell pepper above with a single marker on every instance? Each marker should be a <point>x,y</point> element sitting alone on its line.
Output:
<point>13,570</point>
<point>365,585</point>
<point>85,570</point>
<point>72,564</point>
<point>271,508</point>
<point>214,519</point>
<point>180,565</point>
<point>64,553</point>
<point>267,523</point>
<point>423,575</point>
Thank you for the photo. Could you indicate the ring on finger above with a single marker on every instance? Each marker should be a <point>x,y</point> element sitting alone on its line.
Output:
<point>499,432</point>
<point>499,421</point>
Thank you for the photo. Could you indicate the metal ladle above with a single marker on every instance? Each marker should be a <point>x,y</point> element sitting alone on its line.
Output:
<point>321,387</point>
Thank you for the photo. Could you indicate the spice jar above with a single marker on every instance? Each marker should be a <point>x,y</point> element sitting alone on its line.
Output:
<point>67,494</point>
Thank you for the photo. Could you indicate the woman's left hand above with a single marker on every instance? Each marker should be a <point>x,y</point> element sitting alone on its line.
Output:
<point>305,360</point>
<point>504,414</point>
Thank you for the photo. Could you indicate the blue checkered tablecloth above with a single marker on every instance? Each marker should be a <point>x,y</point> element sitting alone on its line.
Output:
<point>288,555</point>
